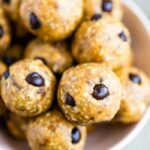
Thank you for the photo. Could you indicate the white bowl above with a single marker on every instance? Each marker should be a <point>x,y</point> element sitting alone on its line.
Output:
<point>112,136</point>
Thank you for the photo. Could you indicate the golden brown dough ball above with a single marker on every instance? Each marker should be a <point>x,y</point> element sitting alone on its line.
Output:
<point>105,41</point>
<point>135,95</point>
<point>55,55</point>
<point>53,20</point>
<point>97,8</point>
<point>27,88</point>
<point>51,131</point>
<point>89,93</point>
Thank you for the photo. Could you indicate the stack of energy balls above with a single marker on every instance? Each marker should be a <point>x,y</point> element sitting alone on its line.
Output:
<point>66,65</point>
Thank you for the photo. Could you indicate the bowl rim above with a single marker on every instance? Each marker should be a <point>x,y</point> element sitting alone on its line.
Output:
<point>146,24</point>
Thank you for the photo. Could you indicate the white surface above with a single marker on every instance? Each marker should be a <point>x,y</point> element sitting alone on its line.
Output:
<point>112,136</point>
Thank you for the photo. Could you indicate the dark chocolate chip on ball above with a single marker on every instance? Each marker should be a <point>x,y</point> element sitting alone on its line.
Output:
<point>1,31</point>
<point>70,100</point>
<point>96,17</point>
<point>107,5</point>
<point>43,60</point>
<point>76,135</point>
<point>135,78</point>
<point>100,92</point>
<point>6,1</point>
<point>6,74</point>
<point>35,79</point>
<point>34,21</point>
<point>123,36</point>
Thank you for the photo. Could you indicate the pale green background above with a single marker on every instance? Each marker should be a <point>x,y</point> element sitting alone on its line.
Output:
<point>142,141</point>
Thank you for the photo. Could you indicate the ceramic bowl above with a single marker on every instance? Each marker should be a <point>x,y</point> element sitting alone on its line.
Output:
<point>113,137</point>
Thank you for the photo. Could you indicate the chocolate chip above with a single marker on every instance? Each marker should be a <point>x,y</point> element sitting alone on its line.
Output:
<point>9,60</point>
<point>75,135</point>
<point>43,60</point>
<point>107,5</point>
<point>135,78</point>
<point>35,79</point>
<point>70,100</point>
<point>6,74</point>
<point>123,36</point>
<point>7,1</point>
<point>34,22</point>
<point>1,31</point>
<point>100,92</point>
<point>96,17</point>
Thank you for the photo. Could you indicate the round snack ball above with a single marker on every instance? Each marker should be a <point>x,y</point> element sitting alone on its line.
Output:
<point>94,9</point>
<point>53,20</point>
<point>11,7</point>
<point>17,125</point>
<point>104,41</point>
<point>55,55</point>
<point>4,31</point>
<point>135,95</point>
<point>3,108</point>
<point>89,93</point>
<point>52,131</point>
<point>27,87</point>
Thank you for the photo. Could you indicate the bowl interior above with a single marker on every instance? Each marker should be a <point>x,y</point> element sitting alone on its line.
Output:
<point>107,136</point>
<point>115,136</point>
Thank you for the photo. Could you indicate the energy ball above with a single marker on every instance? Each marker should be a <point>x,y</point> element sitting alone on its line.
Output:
<point>89,93</point>
<point>52,131</point>
<point>105,41</point>
<point>17,125</point>
<point>3,108</point>
<point>55,55</point>
<point>94,9</point>
<point>4,32</point>
<point>27,88</point>
<point>135,95</point>
<point>53,20</point>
